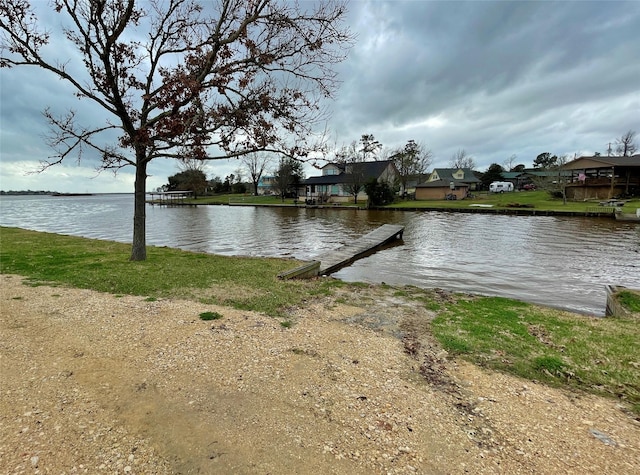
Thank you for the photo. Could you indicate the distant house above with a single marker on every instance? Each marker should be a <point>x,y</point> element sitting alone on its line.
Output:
<point>335,182</point>
<point>267,185</point>
<point>447,183</point>
<point>603,177</point>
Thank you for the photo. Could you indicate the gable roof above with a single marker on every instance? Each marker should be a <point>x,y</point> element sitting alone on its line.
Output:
<point>375,169</point>
<point>447,174</point>
<point>369,170</point>
<point>339,166</point>
<point>511,175</point>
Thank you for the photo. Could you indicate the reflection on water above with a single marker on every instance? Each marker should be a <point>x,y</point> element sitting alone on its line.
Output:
<point>562,262</point>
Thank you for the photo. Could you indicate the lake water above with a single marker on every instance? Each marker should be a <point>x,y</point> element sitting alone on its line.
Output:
<point>563,262</point>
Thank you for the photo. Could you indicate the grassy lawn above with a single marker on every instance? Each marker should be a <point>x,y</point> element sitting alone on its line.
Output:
<point>630,300</point>
<point>240,282</point>
<point>599,355</point>
<point>538,200</point>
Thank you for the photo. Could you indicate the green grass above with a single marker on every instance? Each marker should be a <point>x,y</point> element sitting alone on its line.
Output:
<point>210,316</point>
<point>599,355</point>
<point>240,282</point>
<point>630,300</point>
<point>538,200</point>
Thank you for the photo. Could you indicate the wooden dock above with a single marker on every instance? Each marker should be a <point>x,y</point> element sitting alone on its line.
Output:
<point>168,198</point>
<point>334,260</point>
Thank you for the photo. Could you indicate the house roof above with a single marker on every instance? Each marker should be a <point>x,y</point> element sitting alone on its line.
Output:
<point>469,175</point>
<point>602,162</point>
<point>511,175</point>
<point>337,165</point>
<point>446,174</point>
<point>442,184</point>
<point>324,180</point>
<point>369,170</point>
<point>414,180</point>
<point>373,169</point>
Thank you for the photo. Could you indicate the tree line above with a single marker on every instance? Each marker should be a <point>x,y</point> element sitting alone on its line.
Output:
<point>411,160</point>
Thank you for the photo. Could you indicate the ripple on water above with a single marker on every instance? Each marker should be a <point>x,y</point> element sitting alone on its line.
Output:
<point>562,262</point>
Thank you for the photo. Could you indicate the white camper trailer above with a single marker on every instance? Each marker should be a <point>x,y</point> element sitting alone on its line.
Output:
<point>500,186</point>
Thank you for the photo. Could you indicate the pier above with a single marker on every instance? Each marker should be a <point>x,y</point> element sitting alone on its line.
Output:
<point>334,260</point>
<point>169,197</point>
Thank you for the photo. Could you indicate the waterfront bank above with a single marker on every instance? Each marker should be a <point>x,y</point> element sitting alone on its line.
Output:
<point>561,261</point>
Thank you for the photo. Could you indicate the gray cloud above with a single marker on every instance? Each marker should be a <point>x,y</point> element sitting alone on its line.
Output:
<point>494,78</point>
<point>505,77</point>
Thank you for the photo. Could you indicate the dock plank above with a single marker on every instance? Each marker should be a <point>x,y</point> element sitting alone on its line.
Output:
<point>334,260</point>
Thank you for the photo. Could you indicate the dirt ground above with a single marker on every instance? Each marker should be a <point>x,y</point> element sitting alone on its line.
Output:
<point>97,383</point>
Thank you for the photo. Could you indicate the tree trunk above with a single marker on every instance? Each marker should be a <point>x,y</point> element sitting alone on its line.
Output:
<point>139,247</point>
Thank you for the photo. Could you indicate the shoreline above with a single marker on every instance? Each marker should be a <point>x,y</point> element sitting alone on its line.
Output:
<point>516,211</point>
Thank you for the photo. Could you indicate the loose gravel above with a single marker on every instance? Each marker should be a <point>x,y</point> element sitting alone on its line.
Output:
<point>96,383</point>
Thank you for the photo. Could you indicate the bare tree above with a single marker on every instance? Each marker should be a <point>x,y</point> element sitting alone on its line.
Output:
<point>175,78</point>
<point>187,164</point>
<point>461,159</point>
<point>625,146</point>
<point>412,160</point>
<point>255,165</point>
<point>510,163</point>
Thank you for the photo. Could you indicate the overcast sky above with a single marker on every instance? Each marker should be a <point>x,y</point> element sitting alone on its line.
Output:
<point>493,78</point>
